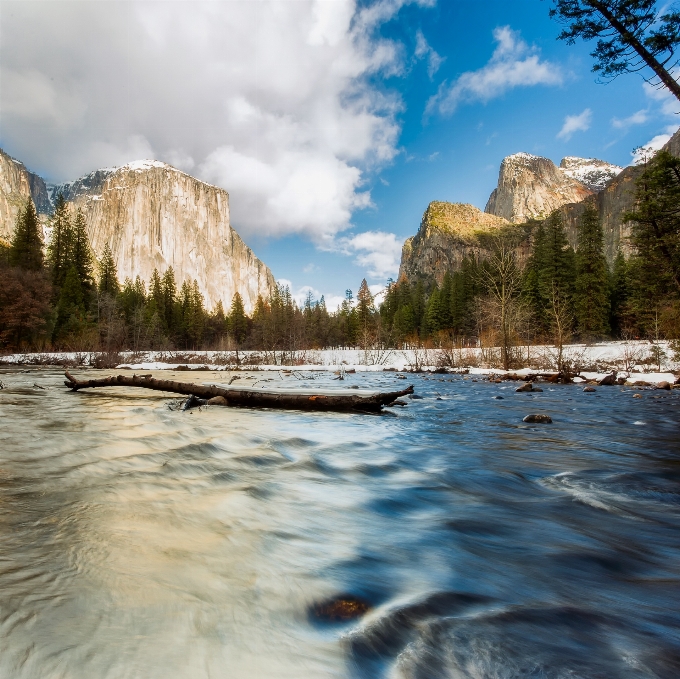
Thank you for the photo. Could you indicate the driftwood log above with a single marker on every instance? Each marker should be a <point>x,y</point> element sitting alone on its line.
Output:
<point>247,398</point>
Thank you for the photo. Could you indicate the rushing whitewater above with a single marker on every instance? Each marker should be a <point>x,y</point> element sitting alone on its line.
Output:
<point>139,541</point>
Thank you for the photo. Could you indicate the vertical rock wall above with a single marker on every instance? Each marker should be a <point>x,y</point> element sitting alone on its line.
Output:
<point>155,216</point>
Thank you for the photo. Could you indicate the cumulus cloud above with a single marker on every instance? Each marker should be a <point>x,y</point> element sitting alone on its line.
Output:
<point>668,104</point>
<point>638,118</point>
<point>274,101</point>
<point>424,51</point>
<point>513,64</point>
<point>576,123</point>
<point>654,144</point>
<point>378,251</point>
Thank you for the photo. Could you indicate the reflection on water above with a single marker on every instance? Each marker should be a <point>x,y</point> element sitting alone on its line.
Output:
<point>141,542</point>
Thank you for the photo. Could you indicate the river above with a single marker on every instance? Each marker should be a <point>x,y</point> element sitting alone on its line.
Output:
<point>142,542</point>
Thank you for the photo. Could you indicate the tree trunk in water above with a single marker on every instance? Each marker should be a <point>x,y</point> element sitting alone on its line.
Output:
<point>253,399</point>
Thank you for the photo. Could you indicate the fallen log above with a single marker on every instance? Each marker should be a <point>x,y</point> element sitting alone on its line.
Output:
<point>252,398</point>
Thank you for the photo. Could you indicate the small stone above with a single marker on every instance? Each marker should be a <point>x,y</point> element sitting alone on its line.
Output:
<point>217,401</point>
<point>415,397</point>
<point>538,419</point>
<point>589,390</point>
<point>498,398</point>
<point>637,395</point>
<point>663,385</point>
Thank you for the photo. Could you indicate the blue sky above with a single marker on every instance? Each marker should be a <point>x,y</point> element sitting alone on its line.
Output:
<point>455,157</point>
<point>332,125</point>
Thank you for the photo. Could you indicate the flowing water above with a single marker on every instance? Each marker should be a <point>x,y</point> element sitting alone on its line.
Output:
<point>138,541</point>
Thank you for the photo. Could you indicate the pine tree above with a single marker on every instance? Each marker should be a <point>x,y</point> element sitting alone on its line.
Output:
<point>619,294</point>
<point>238,321</point>
<point>81,253</point>
<point>27,242</point>
<point>108,275</point>
<point>364,311</point>
<point>59,250</point>
<point>171,308</point>
<point>71,317</point>
<point>591,293</point>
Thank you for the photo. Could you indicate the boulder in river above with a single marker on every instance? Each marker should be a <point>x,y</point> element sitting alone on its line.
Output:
<point>528,386</point>
<point>538,418</point>
<point>663,385</point>
<point>608,380</point>
<point>589,390</point>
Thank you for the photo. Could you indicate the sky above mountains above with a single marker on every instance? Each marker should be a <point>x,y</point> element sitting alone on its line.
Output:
<point>332,124</point>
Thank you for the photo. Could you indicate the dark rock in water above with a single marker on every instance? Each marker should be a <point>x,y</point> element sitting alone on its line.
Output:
<point>538,419</point>
<point>439,398</point>
<point>217,401</point>
<point>608,380</point>
<point>589,390</point>
<point>194,402</point>
<point>528,386</point>
<point>537,389</point>
<point>342,608</point>
<point>396,403</point>
<point>498,398</point>
<point>415,397</point>
<point>663,385</point>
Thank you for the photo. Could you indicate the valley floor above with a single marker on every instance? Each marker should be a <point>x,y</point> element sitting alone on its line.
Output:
<point>633,360</point>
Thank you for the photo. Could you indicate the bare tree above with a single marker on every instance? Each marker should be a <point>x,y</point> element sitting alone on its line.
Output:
<point>501,275</point>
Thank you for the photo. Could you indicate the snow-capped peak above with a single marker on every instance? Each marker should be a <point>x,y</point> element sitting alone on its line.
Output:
<point>592,172</point>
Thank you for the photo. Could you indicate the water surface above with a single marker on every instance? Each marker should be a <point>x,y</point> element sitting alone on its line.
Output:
<point>137,541</point>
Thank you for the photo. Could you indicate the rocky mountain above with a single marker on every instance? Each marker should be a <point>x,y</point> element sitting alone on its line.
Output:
<point>531,186</point>
<point>616,198</point>
<point>155,216</point>
<point>448,233</point>
<point>593,173</point>
<point>16,185</point>
<point>528,186</point>
<point>152,216</point>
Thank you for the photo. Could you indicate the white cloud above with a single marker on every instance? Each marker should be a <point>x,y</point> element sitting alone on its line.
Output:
<point>274,101</point>
<point>424,51</point>
<point>654,144</point>
<point>638,118</point>
<point>576,123</point>
<point>300,295</point>
<point>670,106</point>
<point>378,251</point>
<point>513,64</point>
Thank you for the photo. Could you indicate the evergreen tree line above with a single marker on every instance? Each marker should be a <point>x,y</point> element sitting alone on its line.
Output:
<point>530,286</point>
<point>557,293</point>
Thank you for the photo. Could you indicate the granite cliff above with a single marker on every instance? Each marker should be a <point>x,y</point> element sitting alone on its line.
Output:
<point>152,216</point>
<point>448,233</point>
<point>155,216</point>
<point>532,187</point>
<point>616,197</point>
<point>529,187</point>
<point>16,185</point>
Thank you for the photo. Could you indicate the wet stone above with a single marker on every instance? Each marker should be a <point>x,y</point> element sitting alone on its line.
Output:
<point>343,608</point>
<point>538,418</point>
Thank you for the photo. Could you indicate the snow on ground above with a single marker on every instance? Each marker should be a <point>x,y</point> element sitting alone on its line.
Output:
<point>630,358</point>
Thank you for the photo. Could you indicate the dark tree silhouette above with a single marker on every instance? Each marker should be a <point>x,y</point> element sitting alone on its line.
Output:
<point>631,35</point>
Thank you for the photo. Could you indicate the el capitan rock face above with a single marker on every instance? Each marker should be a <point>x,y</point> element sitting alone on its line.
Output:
<point>447,235</point>
<point>16,185</point>
<point>155,216</point>
<point>530,186</point>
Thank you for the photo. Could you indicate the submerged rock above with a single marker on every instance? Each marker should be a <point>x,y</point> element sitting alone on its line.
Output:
<point>538,419</point>
<point>589,390</point>
<point>343,608</point>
